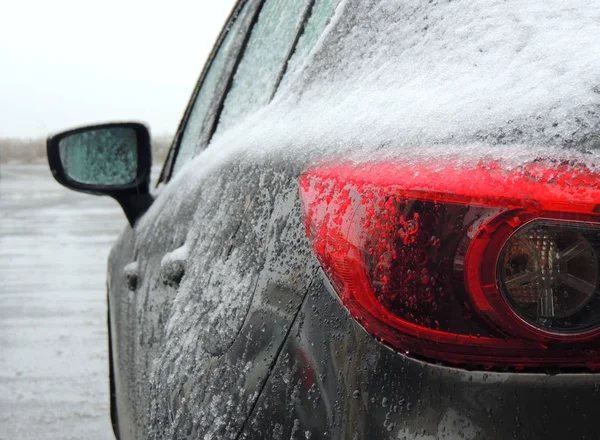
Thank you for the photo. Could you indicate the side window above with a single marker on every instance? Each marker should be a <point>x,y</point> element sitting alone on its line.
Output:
<point>321,13</point>
<point>197,129</point>
<point>268,48</point>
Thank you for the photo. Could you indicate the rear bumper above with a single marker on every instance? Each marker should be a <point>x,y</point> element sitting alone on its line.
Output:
<point>335,381</point>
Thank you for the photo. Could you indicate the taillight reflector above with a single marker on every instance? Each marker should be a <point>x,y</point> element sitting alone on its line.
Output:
<point>464,264</point>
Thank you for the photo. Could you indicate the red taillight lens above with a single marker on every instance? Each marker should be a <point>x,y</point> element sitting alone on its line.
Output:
<point>476,266</point>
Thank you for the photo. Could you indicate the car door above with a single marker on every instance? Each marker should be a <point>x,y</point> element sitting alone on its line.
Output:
<point>201,294</point>
<point>140,289</point>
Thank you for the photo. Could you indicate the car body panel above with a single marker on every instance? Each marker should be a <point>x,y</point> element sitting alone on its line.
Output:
<point>334,380</point>
<point>122,320</point>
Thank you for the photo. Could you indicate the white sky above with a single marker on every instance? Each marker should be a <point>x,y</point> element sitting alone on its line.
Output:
<point>70,62</point>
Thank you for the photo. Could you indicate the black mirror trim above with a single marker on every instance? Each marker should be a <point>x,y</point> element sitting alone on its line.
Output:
<point>134,197</point>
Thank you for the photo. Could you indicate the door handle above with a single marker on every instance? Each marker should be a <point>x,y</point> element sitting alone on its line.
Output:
<point>132,274</point>
<point>172,266</point>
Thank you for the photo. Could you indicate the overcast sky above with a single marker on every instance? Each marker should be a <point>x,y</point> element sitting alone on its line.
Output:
<point>69,62</point>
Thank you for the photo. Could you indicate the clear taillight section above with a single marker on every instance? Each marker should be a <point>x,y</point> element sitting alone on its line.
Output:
<point>548,273</point>
<point>477,266</point>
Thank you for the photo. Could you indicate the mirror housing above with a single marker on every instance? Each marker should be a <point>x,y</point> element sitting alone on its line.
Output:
<point>108,159</point>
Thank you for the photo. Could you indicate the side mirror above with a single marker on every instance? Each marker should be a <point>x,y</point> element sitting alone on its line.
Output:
<point>109,159</point>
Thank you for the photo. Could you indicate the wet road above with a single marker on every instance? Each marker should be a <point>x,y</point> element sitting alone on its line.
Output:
<point>53,343</point>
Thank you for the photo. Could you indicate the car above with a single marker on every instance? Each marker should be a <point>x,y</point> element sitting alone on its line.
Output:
<point>378,220</point>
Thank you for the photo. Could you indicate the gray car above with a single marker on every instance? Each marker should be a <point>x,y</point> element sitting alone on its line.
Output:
<point>379,219</point>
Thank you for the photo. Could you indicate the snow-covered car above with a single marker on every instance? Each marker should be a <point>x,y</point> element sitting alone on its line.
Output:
<point>378,219</point>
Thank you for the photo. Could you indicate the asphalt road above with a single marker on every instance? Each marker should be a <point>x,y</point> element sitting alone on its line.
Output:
<point>53,341</point>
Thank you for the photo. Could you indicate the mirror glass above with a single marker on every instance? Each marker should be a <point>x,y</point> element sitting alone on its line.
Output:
<point>100,156</point>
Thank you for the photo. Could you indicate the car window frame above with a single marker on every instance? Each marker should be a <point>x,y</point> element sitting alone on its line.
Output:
<point>167,169</point>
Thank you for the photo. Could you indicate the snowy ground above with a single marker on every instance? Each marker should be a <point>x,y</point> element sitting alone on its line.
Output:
<point>53,343</point>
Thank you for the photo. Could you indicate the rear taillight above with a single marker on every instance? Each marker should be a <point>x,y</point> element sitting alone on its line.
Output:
<point>472,265</point>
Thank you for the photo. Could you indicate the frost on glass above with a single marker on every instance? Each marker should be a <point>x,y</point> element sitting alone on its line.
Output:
<point>195,131</point>
<point>102,156</point>
<point>320,15</point>
<point>269,45</point>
